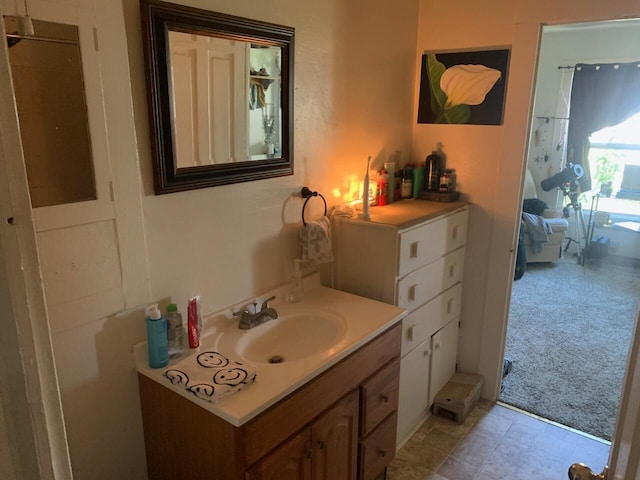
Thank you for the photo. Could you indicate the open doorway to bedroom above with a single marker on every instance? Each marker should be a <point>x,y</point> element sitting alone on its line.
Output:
<point>573,310</point>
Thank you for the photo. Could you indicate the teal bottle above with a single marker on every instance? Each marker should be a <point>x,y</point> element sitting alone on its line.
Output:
<point>157,341</point>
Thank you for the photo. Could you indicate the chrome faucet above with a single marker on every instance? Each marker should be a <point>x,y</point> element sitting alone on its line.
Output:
<point>249,320</point>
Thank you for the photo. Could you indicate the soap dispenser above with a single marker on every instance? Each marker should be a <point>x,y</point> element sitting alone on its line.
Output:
<point>296,292</point>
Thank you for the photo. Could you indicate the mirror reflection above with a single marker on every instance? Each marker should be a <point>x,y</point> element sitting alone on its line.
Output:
<point>49,90</point>
<point>226,100</point>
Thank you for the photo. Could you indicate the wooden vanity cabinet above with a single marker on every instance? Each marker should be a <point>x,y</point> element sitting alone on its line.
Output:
<point>411,254</point>
<point>314,433</point>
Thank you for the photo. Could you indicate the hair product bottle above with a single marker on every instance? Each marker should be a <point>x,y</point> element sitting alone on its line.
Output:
<point>157,341</point>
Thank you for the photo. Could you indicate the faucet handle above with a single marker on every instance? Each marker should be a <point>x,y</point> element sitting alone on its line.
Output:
<point>265,304</point>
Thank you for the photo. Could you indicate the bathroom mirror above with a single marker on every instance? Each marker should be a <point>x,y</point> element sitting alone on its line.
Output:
<point>220,92</point>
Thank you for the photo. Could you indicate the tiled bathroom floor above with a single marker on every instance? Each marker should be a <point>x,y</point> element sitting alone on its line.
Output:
<point>494,443</point>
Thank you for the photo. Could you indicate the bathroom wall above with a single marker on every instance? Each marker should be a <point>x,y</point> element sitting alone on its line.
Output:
<point>489,160</point>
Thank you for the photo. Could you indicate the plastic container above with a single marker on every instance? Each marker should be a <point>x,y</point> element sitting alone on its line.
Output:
<point>406,187</point>
<point>434,167</point>
<point>157,341</point>
<point>418,180</point>
<point>383,187</point>
<point>175,331</point>
<point>390,167</point>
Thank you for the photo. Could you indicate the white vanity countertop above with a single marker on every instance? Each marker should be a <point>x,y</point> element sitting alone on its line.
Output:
<point>365,319</point>
<point>408,213</point>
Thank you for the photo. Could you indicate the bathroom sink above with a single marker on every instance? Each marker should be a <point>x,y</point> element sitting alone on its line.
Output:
<point>293,336</point>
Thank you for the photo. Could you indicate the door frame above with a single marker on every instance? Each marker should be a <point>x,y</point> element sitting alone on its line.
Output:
<point>624,459</point>
<point>32,415</point>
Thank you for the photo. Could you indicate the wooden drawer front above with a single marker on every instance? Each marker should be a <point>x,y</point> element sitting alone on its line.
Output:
<point>379,396</point>
<point>427,282</point>
<point>430,317</point>
<point>378,449</point>
<point>424,244</point>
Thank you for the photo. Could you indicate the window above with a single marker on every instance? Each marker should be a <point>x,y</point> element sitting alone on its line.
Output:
<point>614,159</point>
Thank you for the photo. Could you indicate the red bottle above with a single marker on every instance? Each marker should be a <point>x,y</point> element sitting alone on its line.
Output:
<point>383,187</point>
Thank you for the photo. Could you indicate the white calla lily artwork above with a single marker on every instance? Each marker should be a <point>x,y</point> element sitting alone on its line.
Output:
<point>468,84</point>
<point>466,87</point>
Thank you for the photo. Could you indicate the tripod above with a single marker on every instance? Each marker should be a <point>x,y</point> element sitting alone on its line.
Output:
<point>580,225</point>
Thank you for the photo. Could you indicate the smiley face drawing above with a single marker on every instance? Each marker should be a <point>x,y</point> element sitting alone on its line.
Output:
<point>230,376</point>
<point>177,377</point>
<point>212,360</point>
<point>202,390</point>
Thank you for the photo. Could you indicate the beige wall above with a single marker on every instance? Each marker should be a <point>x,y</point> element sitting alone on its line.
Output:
<point>356,67</point>
<point>489,160</point>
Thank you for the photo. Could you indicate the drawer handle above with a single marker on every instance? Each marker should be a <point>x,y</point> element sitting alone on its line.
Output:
<point>410,332</point>
<point>413,253</point>
<point>437,346</point>
<point>322,444</point>
<point>454,233</point>
<point>452,270</point>
<point>384,398</point>
<point>382,453</point>
<point>412,292</point>
<point>427,353</point>
<point>308,453</point>
<point>450,305</point>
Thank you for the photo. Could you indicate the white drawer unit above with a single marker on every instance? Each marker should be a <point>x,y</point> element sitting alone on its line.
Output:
<point>411,254</point>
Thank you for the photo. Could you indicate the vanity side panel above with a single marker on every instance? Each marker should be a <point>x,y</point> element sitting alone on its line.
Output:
<point>302,406</point>
<point>171,423</point>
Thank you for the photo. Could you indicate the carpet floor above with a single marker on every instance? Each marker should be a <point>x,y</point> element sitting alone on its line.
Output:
<point>568,336</point>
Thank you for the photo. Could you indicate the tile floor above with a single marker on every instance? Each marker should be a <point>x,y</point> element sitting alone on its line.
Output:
<point>494,443</point>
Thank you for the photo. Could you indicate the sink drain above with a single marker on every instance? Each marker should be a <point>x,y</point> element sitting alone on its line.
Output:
<point>276,359</point>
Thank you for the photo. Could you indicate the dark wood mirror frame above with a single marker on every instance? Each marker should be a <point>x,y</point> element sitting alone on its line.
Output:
<point>157,19</point>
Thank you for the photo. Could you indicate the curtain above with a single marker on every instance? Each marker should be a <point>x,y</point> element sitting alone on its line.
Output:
<point>602,96</point>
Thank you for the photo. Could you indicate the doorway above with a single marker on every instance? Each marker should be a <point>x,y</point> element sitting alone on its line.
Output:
<point>562,305</point>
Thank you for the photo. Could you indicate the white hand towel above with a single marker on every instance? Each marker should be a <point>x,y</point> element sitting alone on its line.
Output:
<point>315,242</point>
<point>211,376</point>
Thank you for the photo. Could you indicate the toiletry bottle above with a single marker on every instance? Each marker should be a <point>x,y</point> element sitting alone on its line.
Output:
<point>406,189</point>
<point>157,342</point>
<point>296,292</point>
<point>175,331</point>
<point>418,180</point>
<point>390,167</point>
<point>434,166</point>
<point>383,187</point>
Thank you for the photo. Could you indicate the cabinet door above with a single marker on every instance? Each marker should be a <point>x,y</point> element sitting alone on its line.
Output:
<point>444,345</point>
<point>334,440</point>
<point>289,461</point>
<point>413,402</point>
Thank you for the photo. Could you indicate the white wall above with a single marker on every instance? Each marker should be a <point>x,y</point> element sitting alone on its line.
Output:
<point>489,160</point>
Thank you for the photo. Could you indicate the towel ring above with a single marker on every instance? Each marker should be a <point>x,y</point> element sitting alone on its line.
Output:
<point>307,193</point>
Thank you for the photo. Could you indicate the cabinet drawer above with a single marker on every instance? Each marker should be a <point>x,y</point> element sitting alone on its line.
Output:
<point>430,317</point>
<point>378,449</point>
<point>379,396</point>
<point>426,283</point>
<point>424,244</point>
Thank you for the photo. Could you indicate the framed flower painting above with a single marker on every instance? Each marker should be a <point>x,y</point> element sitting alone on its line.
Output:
<point>463,87</point>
